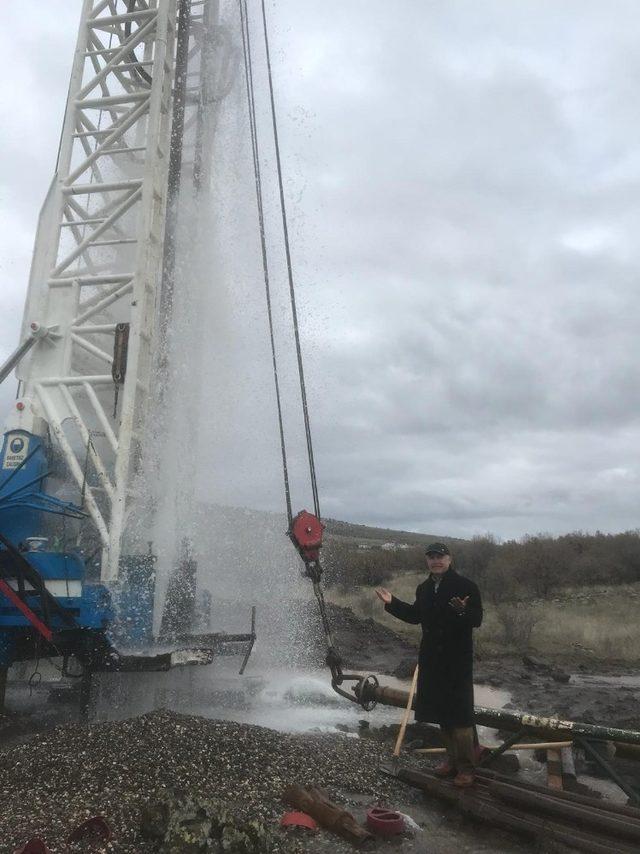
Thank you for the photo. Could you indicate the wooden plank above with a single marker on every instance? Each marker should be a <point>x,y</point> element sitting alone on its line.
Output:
<point>554,769</point>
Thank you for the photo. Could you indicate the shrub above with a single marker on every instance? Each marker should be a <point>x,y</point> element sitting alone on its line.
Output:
<point>517,622</point>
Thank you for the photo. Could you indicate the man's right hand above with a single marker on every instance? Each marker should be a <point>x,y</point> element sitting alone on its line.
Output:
<point>384,595</point>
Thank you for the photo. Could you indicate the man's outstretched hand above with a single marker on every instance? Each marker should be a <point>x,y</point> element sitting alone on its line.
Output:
<point>384,595</point>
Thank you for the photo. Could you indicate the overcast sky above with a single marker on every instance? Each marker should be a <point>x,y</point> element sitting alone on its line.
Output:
<point>464,186</point>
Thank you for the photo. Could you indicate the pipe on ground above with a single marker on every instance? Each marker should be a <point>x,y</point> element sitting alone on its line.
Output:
<point>513,721</point>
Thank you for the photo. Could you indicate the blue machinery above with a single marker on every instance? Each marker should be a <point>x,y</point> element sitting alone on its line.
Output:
<point>45,599</point>
<point>98,306</point>
<point>48,606</point>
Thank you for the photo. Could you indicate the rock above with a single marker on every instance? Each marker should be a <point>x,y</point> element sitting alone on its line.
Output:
<point>535,664</point>
<point>405,669</point>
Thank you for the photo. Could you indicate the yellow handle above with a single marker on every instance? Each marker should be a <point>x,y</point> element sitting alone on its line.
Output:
<point>407,711</point>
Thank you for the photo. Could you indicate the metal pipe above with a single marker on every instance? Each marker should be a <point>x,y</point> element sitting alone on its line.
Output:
<point>479,804</point>
<point>583,816</point>
<point>103,23</point>
<point>37,333</point>
<point>593,754</point>
<point>93,189</point>
<point>513,720</point>
<point>485,774</point>
<point>112,100</point>
<point>175,169</point>
<point>544,745</point>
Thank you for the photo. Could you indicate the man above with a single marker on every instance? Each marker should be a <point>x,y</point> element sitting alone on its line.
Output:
<point>448,607</point>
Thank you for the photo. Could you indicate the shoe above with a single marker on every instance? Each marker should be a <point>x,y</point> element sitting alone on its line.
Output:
<point>464,779</point>
<point>445,770</point>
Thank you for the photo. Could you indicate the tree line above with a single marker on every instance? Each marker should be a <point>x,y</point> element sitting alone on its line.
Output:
<point>532,567</point>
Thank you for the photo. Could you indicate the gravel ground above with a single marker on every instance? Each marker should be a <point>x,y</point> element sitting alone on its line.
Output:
<point>56,780</point>
<point>54,777</point>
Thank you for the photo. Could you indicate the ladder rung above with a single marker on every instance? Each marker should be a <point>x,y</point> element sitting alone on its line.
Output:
<point>125,149</point>
<point>122,65</point>
<point>112,242</point>
<point>87,279</point>
<point>102,51</point>
<point>82,222</point>
<point>84,133</point>
<point>92,189</point>
<point>112,100</point>
<point>139,15</point>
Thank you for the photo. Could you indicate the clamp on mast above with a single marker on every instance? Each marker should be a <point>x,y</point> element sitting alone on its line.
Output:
<point>37,333</point>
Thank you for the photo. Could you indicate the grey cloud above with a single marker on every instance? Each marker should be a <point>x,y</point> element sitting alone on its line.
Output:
<point>463,182</point>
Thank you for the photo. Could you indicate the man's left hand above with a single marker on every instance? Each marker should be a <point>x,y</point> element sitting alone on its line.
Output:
<point>459,605</point>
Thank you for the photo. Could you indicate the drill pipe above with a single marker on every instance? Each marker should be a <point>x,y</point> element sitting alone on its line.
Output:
<point>618,827</point>
<point>488,775</point>
<point>478,803</point>
<point>513,721</point>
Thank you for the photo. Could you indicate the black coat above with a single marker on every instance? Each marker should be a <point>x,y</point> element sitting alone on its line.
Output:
<point>444,693</point>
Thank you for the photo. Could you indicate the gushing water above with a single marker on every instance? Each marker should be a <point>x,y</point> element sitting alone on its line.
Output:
<point>213,482</point>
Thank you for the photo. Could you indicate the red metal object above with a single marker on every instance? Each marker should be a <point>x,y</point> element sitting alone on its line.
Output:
<point>33,846</point>
<point>35,621</point>
<point>306,534</point>
<point>95,826</point>
<point>385,822</point>
<point>298,819</point>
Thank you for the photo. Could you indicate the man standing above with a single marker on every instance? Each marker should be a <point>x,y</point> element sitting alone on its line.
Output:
<point>448,607</point>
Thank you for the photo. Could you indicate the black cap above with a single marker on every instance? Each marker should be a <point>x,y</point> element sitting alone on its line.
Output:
<point>437,549</point>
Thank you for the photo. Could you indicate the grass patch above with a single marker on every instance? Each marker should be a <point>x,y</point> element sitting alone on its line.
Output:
<point>598,624</point>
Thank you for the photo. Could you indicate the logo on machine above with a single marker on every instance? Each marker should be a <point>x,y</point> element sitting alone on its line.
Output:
<point>16,451</point>
<point>17,445</point>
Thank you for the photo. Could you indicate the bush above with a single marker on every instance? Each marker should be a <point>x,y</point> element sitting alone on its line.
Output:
<point>517,622</point>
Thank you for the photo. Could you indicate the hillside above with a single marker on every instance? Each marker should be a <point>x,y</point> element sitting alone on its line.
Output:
<point>350,532</point>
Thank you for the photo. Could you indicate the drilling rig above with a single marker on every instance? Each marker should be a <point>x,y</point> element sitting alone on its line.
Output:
<point>136,134</point>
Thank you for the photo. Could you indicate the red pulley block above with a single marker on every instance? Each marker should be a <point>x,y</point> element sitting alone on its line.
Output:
<point>306,534</point>
<point>385,822</point>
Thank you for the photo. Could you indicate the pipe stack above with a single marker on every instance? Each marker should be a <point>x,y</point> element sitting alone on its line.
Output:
<point>586,824</point>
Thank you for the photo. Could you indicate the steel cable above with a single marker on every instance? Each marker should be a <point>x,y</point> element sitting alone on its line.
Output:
<point>246,47</point>
<point>333,659</point>
<point>292,294</point>
<point>246,42</point>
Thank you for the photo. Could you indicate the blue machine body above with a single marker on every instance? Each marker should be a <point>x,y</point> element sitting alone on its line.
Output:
<point>24,506</point>
<point>23,468</point>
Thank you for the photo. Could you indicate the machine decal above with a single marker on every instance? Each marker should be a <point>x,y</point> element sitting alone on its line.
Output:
<point>16,452</point>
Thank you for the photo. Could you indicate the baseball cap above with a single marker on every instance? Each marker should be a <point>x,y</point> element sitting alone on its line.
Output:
<point>437,549</point>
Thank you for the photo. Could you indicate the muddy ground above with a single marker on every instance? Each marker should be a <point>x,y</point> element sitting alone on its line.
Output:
<point>559,687</point>
<point>56,772</point>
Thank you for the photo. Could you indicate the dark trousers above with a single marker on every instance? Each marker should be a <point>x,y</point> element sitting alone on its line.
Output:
<point>460,745</point>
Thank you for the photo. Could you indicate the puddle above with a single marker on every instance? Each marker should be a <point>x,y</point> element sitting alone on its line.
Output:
<point>288,700</point>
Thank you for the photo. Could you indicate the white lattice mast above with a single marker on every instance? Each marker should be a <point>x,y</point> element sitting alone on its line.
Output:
<point>99,255</point>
